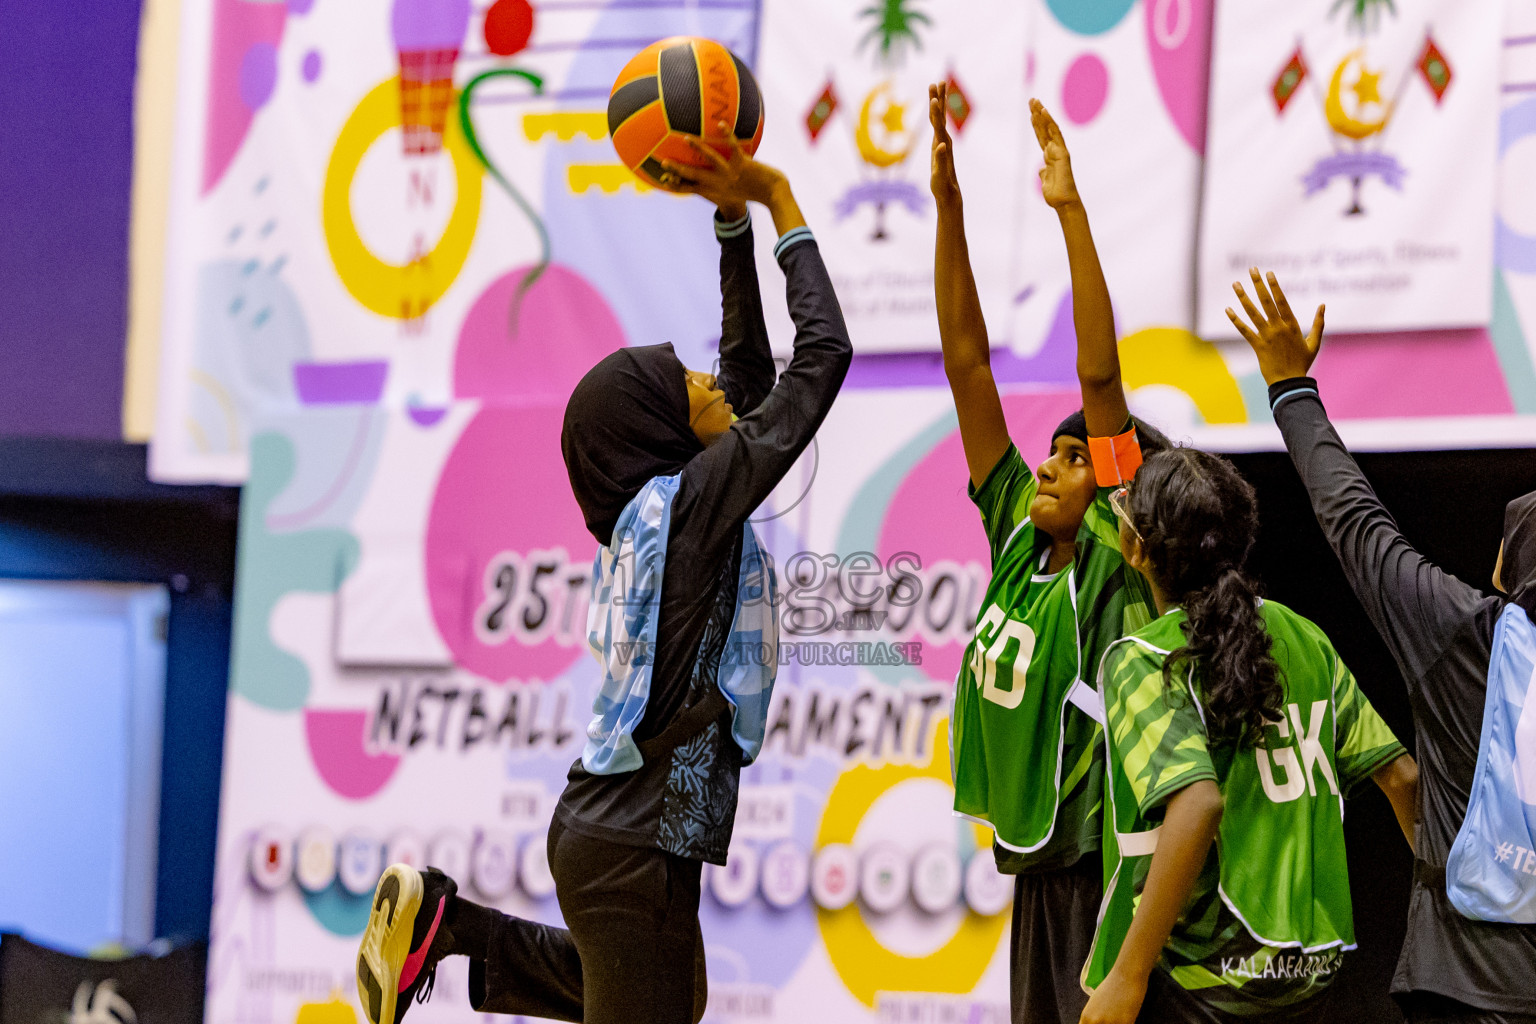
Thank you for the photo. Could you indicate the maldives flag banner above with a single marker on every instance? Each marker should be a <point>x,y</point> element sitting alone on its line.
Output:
<point>1435,69</point>
<point>856,77</point>
<point>1291,77</point>
<point>1359,173</point>
<point>821,111</point>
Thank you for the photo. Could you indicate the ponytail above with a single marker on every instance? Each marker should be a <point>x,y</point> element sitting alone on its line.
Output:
<point>1227,640</point>
<point>1198,518</point>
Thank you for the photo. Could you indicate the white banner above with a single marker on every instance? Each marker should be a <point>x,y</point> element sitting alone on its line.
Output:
<point>1352,150</point>
<point>846,83</point>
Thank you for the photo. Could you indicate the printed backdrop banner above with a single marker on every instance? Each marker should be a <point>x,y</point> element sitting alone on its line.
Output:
<point>1128,84</point>
<point>376,316</point>
<point>409,683</point>
<point>337,237</point>
<point>1352,150</point>
<point>1108,77</point>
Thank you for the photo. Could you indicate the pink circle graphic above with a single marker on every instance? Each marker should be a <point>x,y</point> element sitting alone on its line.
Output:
<point>504,490</point>
<point>1084,89</point>
<point>336,745</point>
<point>503,498</point>
<point>931,516</point>
<point>559,329</point>
<point>1179,45</point>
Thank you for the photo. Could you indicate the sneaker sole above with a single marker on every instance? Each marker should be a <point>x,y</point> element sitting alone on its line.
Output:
<point>387,941</point>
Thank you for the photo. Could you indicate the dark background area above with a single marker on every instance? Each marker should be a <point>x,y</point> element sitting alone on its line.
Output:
<point>82,510</point>
<point>1450,505</point>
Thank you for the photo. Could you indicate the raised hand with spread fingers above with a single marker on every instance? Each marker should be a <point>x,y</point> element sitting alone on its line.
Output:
<point>1275,336</point>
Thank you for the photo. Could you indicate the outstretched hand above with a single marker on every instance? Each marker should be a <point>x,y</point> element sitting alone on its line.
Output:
<point>1056,181</point>
<point>728,182</point>
<point>1275,336</point>
<point>942,178</point>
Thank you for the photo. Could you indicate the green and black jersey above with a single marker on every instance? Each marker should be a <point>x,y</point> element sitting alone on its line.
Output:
<point>1026,743</point>
<point>1269,918</point>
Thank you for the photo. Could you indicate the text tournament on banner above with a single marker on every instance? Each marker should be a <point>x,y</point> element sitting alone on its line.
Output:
<point>845,84</point>
<point>1352,150</point>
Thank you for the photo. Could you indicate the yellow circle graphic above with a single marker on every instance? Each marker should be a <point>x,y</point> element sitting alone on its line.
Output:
<point>389,289</point>
<point>1179,359</point>
<point>867,967</point>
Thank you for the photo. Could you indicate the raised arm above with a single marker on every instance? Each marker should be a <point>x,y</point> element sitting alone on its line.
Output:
<point>962,330</point>
<point>725,483</point>
<point>746,369</point>
<point>1415,605</point>
<point>1098,360</point>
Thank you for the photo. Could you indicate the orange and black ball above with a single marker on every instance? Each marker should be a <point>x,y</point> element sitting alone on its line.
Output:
<point>679,87</point>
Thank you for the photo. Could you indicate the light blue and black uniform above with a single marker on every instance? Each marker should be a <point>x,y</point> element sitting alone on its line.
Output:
<point>1440,632</point>
<point>684,801</point>
<point>654,793</point>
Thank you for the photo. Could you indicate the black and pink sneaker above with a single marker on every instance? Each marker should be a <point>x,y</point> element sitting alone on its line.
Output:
<point>405,938</point>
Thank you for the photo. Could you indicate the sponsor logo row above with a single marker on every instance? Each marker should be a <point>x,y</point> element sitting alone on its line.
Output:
<point>783,874</point>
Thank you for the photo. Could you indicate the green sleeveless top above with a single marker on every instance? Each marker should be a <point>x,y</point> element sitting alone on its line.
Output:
<point>1269,918</point>
<point>1025,739</point>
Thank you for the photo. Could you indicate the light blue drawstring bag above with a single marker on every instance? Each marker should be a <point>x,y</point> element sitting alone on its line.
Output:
<point>1491,872</point>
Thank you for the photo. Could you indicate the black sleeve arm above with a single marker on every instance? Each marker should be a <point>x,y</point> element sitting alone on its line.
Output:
<point>746,364</point>
<point>726,482</point>
<point>1416,606</point>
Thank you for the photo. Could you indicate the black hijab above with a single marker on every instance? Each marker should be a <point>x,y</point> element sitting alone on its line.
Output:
<point>1519,569</point>
<point>626,422</point>
<point>1149,437</point>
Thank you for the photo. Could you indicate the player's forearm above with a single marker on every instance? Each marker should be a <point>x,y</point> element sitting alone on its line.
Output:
<point>1184,841</point>
<point>962,328</point>
<point>784,210</point>
<point>746,369</point>
<point>1399,780</point>
<point>1093,317</point>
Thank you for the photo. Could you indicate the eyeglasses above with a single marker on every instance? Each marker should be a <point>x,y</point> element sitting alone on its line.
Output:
<point>1117,499</point>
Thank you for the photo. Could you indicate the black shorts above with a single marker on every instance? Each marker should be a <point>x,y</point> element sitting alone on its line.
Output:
<point>1430,1008</point>
<point>1168,1003</point>
<point>1055,914</point>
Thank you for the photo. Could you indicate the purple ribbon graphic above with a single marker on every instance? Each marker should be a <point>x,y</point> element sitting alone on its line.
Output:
<point>1354,165</point>
<point>903,192</point>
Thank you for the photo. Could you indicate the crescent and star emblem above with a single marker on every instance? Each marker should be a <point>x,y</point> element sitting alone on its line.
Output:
<point>892,125</point>
<point>1366,91</point>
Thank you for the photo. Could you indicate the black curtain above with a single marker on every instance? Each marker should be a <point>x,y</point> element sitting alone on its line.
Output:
<point>1450,505</point>
<point>39,985</point>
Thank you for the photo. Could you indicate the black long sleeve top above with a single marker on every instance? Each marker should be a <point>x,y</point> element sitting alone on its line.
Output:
<point>1440,631</point>
<point>684,802</point>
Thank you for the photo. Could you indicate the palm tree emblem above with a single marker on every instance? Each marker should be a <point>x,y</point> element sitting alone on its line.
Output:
<point>1364,15</point>
<point>895,28</point>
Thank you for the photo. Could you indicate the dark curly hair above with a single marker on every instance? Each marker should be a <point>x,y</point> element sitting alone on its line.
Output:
<point>1149,438</point>
<point>1197,518</point>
